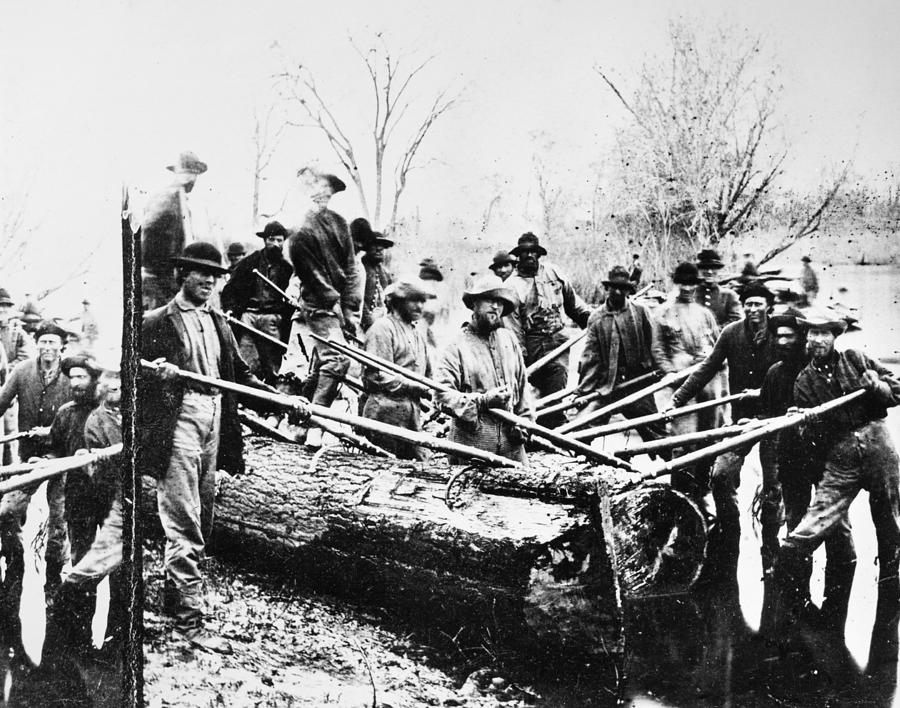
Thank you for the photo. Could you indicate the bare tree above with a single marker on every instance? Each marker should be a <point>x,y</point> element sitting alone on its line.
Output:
<point>703,149</point>
<point>399,117</point>
<point>13,231</point>
<point>266,137</point>
<point>548,194</point>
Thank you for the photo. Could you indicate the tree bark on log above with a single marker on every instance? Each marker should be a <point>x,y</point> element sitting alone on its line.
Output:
<point>531,557</point>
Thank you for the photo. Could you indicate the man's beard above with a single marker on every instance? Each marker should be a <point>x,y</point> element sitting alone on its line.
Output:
<point>273,252</point>
<point>486,323</point>
<point>83,395</point>
<point>615,302</point>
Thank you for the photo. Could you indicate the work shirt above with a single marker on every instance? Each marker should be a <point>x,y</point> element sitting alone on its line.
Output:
<point>322,254</point>
<point>724,302</point>
<point>617,348</point>
<point>39,399</point>
<point>684,334</point>
<point>472,364</point>
<point>392,339</point>
<point>543,300</point>
<point>103,428</point>
<point>203,342</point>
<point>16,342</point>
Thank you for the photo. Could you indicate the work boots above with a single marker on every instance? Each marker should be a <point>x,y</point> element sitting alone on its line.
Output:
<point>69,622</point>
<point>838,583</point>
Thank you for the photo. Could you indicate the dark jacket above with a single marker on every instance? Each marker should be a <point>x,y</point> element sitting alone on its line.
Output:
<point>724,302</point>
<point>377,279</point>
<point>162,231</point>
<point>636,337</point>
<point>163,335</point>
<point>322,254</point>
<point>748,361</point>
<point>38,403</point>
<point>243,287</point>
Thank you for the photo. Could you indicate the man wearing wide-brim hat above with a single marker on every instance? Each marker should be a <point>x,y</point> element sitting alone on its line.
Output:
<point>684,333</point>
<point>723,302</point>
<point>748,348</point>
<point>255,303</point>
<point>545,298</point>
<point>503,264</point>
<point>166,228</point>
<point>188,431</point>
<point>619,348</point>
<point>378,277</point>
<point>322,253</point>
<point>394,337</point>
<point>485,368</point>
<point>859,454</point>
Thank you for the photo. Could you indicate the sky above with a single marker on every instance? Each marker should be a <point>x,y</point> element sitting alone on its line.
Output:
<point>97,94</point>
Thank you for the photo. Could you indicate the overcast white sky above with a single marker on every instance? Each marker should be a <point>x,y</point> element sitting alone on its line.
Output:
<point>94,93</point>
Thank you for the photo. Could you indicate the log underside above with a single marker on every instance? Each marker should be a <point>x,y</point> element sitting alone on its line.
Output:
<point>529,557</point>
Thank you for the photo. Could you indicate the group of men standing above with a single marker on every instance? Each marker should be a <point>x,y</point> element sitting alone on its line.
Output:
<point>720,340</point>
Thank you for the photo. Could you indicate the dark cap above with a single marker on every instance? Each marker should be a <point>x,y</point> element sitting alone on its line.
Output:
<point>236,248</point>
<point>273,228</point>
<point>203,256</point>
<point>50,327</point>
<point>686,274</point>
<point>81,361</point>
<point>708,258</point>
<point>755,288</point>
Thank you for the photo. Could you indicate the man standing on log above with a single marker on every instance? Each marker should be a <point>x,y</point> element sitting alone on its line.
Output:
<point>723,302</point>
<point>70,615</point>
<point>748,348</point>
<point>166,229</point>
<point>544,296</point>
<point>253,301</point>
<point>859,455</point>
<point>484,366</point>
<point>683,335</point>
<point>321,251</point>
<point>188,431</point>
<point>618,348</point>
<point>395,338</point>
<point>40,388</point>
<point>799,469</point>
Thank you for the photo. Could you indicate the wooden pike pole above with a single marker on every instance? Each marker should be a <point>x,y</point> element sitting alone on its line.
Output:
<point>255,332</point>
<point>553,353</point>
<point>625,386</point>
<point>317,411</point>
<point>751,436</point>
<point>16,436</point>
<point>702,436</point>
<point>555,397</point>
<point>622,425</point>
<point>55,467</point>
<point>667,380</point>
<point>643,290</point>
<point>551,436</point>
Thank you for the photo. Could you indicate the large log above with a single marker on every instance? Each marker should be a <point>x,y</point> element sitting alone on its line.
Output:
<point>528,556</point>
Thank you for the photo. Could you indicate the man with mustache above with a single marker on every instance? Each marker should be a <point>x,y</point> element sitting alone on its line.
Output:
<point>188,431</point>
<point>544,296</point>
<point>253,301</point>
<point>485,369</point>
<point>748,348</point>
<point>391,398</point>
<point>858,454</point>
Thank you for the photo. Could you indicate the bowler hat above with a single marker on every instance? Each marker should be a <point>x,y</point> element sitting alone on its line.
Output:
<point>502,258</point>
<point>708,258</point>
<point>618,278</point>
<point>5,299</point>
<point>50,327</point>
<point>686,274</point>
<point>528,242</point>
<point>428,270</point>
<point>188,162</point>
<point>202,254</point>
<point>408,288</point>
<point>757,289</point>
<point>489,286</point>
<point>236,248</point>
<point>82,362</point>
<point>824,318</point>
<point>273,228</point>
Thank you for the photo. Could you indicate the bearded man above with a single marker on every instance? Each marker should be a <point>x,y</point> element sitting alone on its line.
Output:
<point>485,368</point>
<point>255,303</point>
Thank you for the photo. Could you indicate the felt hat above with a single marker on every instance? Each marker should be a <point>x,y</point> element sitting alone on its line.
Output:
<point>618,278</point>
<point>273,228</point>
<point>824,318</point>
<point>755,288</point>
<point>686,274</point>
<point>428,270</point>
<point>362,233</point>
<point>81,361</point>
<point>528,242</point>
<point>236,248</point>
<point>708,258</point>
<point>5,298</point>
<point>203,254</point>
<point>785,317</point>
<point>408,289</point>
<point>50,327</point>
<point>502,258</point>
<point>489,285</point>
<point>188,162</point>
